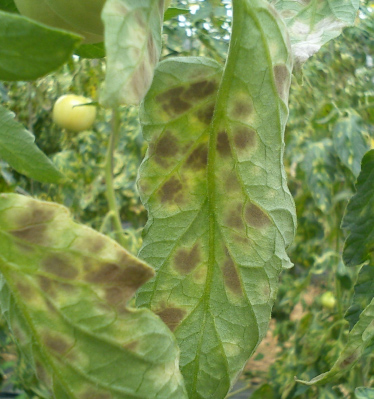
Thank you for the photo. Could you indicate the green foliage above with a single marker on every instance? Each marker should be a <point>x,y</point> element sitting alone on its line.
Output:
<point>43,50</point>
<point>217,271</point>
<point>18,149</point>
<point>64,294</point>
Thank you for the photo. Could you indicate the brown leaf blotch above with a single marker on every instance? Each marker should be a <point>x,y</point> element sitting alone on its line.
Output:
<point>242,109</point>
<point>232,182</point>
<point>172,100</point>
<point>34,234</point>
<point>171,317</point>
<point>350,359</point>
<point>231,277</point>
<point>46,285</point>
<point>60,266</point>
<point>55,343</point>
<point>167,146</point>
<point>234,218</point>
<point>131,346</point>
<point>223,144</point>
<point>36,214</point>
<point>281,76</point>
<point>255,217</point>
<point>25,290</point>
<point>171,190</point>
<point>244,137</point>
<point>115,295</point>
<point>200,90</point>
<point>185,261</point>
<point>205,115</point>
<point>138,17</point>
<point>198,159</point>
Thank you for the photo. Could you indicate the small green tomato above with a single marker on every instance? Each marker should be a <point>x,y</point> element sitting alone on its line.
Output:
<point>328,300</point>
<point>70,114</point>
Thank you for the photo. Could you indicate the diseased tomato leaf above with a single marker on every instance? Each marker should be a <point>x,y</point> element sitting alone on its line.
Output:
<point>133,47</point>
<point>312,23</point>
<point>220,213</point>
<point>64,290</point>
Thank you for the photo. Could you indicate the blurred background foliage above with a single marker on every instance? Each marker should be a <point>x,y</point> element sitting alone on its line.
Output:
<point>331,126</point>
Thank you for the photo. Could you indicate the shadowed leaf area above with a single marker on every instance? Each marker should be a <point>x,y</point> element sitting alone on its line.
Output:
<point>220,213</point>
<point>64,295</point>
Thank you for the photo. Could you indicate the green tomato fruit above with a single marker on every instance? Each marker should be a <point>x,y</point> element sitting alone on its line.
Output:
<point>328,300</point>
<point>68,113</point>
<point>40,11</point>
<point>84,15</point>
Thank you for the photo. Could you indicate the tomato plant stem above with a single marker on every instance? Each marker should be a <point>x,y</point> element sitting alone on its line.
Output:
<point>110,193</point>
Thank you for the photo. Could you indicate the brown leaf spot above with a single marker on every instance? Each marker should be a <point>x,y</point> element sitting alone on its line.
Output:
<point>138,16</point>
<point>37,213</point>
<point>33,234</point>
<point>185,261</point>
<point>242,109</point>
<point>131,275</point>
<point>171,317</point>
<point>171,190</point>
<point>234,218</point>
<point>223,145</point>
<point>349,360</point>
<point>244,137</point>
<point>92,243</point>
<point>205,115</point>
<point>25,290</point>
<point>173,104</point>
<point>131,346</point>
<point>198,158</point>
<point>281,76</point>
<point>141,79</point>
<point>56,343</point>
<point>200,90</point>
<point>115,295</point>
<point>46,285</point>
<point>60,266</point>
<point>255,217</point>
<point>231,277</point>
<point>232,182</point>
<point>167,146</point>
<point>161,5</point>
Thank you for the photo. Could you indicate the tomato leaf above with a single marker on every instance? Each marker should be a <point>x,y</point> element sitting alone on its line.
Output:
<point>133,47</point>
<point>364,393</point>
<point>8,5</point>
<point>220,213</point>
<point>64,292</point>
<point>359,217</point>
<point>359,338</point>
<point>349,141</point>
<point>359,220</point>
<point>313,23</point>
<point>17,147</point>
<point>173,12</point>
<point>29,50</point>
<point>96,50</point>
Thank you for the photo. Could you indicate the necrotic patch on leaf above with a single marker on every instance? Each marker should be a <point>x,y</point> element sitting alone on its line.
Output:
<point>171,191</point>
<point>55,342</point>
<point>36,213</point>
<point>171,317</point>
<point>205,114</point>
<point>231,277</point>
<point>281,76</point>
<point>186,260</point>
<point>200,90</point>
<point>223,144</point>
<point>25,290</point>
<point>198,158</point>
<point>60,265</point>
<point>234,217</point>
<point>172,101</point>
<point>167,146</point>
<point>36,234</point>
<point>244,137</point>
<point>255,217</point>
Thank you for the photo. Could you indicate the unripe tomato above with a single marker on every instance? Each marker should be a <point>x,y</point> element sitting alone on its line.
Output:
<point>328,300</point>
<point>68,113</point>
<point>41,11</point>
